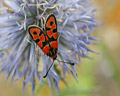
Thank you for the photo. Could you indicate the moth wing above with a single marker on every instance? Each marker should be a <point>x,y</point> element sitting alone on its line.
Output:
<point>38,36</point>
<point>51,31</point>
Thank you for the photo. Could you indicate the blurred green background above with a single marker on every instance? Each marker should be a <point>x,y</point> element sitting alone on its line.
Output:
<point>99,76</point>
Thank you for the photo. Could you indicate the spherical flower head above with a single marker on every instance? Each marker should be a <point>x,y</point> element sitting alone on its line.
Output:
<point>21,57</point>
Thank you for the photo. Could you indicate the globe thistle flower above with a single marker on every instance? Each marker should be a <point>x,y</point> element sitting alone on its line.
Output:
<point>21,57</point>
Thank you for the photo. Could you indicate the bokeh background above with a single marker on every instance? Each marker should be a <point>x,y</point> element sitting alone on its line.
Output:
<point>98,76</point>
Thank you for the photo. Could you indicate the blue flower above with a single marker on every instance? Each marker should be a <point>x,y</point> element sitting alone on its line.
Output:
<point>23,58</point>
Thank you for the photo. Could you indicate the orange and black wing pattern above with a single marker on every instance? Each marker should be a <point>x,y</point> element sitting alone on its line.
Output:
<point>46,38</point>
<point>39,37</point>
<point>51,32</point>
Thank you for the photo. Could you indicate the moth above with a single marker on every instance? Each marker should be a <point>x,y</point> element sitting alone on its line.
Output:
<point>47,38</point>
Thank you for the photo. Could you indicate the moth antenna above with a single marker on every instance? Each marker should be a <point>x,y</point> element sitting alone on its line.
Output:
<point>66,62</point>
<point>48,70</point>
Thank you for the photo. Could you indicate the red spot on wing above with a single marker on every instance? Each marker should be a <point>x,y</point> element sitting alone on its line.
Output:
<point>55,35</point>
<point>47,38</point>
<point>49,33</point>
<point>35,37</point>
<point>35,30</point>
<point>50,19</point>
<point>40,44</point>
<point>46,49</point>
<point>42,38</point>
<point>54,44</point>
<point>53,26</point>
